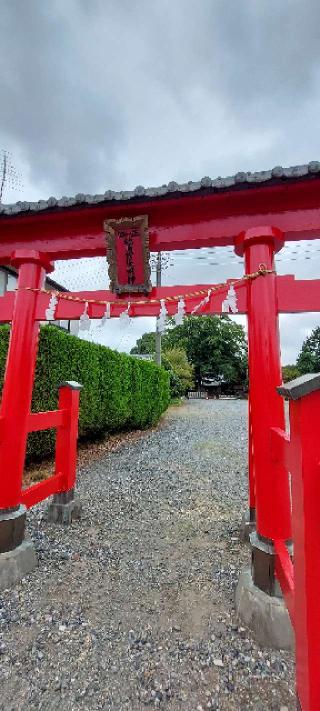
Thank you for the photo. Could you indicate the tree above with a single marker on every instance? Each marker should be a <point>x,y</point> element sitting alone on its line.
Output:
<point>290,372</point>
<point>176,360</point>
<point>309,357</point>
<point>145,344</point>
<point>215,346</point>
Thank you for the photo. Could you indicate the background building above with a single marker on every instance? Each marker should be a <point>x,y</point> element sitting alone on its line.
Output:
<point>9,280</point>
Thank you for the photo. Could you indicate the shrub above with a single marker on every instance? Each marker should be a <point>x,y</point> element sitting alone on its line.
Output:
<point>119,392</point>
<point>176,386</point>
<point>175,359</point>
<point>290,372</point>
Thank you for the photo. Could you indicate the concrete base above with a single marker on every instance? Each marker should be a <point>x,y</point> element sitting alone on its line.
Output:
<point>64,508</point>
<point>12,527</point>
<point>17,563</point>
<point>266,615</point>
<point>247,527</point>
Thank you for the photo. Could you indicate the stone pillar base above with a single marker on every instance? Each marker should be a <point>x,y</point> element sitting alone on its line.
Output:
<point>247,526</point>
<point>17,554</point>
<point>266,615</point>
<point>64,508</point>
<point>17,563</point>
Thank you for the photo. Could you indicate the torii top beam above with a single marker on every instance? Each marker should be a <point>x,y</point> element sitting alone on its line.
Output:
<point>193,215</point>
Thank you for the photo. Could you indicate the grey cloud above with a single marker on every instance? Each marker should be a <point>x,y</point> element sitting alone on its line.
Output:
<point>111,93</point>
<point>99,94</point>
<point>53,104</point>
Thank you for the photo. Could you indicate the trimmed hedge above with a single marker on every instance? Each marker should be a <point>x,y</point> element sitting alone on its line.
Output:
<point>119,392</point>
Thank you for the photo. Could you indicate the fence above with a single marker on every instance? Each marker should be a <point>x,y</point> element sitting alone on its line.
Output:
<point>197,395</point>
<point>299,452</point>
<point>65,421</point>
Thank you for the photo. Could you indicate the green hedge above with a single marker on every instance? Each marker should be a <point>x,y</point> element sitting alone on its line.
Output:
<point>119,392</point>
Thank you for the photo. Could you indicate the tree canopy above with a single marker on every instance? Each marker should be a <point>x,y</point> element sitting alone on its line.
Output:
<point>175,360</point>
<point>215,346</point>
<point>145,344</point>
<point>309,356</point>
<point>290,372</point>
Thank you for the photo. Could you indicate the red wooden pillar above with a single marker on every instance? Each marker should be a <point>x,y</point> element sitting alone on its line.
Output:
<point>248,523</point>
<point>67,434</point>
<point>302,456</point>
<point>272,494</point>
<point>19,375</point>
<point>252,485</point>
<point>64,507</point>
<point>305,443</point>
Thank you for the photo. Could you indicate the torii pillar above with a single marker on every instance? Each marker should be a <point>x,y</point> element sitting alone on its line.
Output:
<point>17,555</point>
<point>258,600</point>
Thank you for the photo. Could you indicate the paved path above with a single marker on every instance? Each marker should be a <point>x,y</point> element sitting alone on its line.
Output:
<point>132,608</point>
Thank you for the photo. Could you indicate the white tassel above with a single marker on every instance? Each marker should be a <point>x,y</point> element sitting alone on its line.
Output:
<point>179,316</point>
<point>162,319</point>
<point>230,302</point>
<point>85,323</point>
<point>202,303</point>
<point>124,317</point>
<point>106,316</point>
<point>51,310</point>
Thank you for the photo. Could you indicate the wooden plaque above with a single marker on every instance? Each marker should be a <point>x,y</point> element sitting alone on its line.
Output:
<point>128,254</point>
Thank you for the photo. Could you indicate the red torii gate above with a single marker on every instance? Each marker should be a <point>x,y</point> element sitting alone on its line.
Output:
<point>255,213</point>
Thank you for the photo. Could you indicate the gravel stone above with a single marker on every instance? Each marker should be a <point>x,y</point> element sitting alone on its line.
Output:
<point>132,607</point>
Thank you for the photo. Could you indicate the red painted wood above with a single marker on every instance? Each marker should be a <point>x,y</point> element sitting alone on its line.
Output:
<point>39,492</point>
<point>73,310</point>
<point>18,382</point>
<point>187,221</point>
<point>285,575</point>
<point>252,483</point>
<point>272,493</point>
<point>294,296</point>
<point>67,436</point>
<point>298,295</point>
<point>45,420</point>
<point>305,446</point>
<point>281,449</point>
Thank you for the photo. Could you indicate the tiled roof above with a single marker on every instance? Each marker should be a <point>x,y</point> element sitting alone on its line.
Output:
<point>217,184</point>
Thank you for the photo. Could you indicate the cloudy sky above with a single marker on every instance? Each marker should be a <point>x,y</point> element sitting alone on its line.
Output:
<point>99,94</point>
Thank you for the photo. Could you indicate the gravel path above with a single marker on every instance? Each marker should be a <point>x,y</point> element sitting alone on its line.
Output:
<point>132,607</point>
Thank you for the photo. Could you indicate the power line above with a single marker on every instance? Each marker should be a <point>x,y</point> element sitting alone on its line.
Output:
<point>71,272</point>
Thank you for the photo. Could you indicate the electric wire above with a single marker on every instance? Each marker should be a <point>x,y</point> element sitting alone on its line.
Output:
<point>92,271</point>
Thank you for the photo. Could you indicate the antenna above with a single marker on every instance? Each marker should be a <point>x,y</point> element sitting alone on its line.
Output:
<point>9,176</point>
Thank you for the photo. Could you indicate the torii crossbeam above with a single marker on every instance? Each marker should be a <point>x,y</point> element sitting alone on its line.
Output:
<point>293,295</point>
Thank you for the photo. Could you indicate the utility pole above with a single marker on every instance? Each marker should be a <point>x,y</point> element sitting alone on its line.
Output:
<point>159,262</point>
<point>158,333</point>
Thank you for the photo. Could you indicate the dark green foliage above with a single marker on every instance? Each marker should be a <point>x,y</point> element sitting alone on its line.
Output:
<point>181,372</point>
<point>118,393</point>
<point>290,372</point>
<point>145,344</point>
<point>176,386</point>
<point>215,346</point>
<point>309,357</point>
